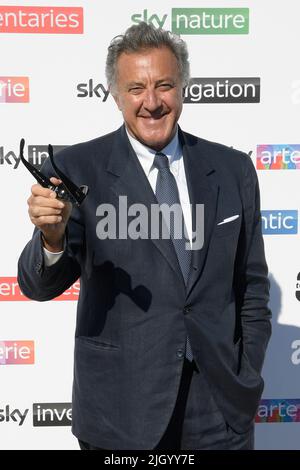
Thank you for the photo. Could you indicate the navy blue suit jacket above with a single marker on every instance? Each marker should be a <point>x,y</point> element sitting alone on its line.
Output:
<point>134,310</point>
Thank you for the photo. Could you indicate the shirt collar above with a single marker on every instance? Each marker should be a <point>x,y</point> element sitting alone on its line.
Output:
<point>146,154</point>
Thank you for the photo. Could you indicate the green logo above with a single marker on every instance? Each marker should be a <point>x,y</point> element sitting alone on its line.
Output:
<point>210,20</point>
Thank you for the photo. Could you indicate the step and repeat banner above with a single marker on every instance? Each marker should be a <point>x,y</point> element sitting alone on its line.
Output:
<point>244,92</point>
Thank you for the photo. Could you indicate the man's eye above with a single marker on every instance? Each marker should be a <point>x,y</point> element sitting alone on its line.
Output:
<point>165,85</point>
<point>135,89</point>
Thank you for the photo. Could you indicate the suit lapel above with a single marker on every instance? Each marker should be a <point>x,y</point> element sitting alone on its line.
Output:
<point>131,181</point>
<point>203,189</point>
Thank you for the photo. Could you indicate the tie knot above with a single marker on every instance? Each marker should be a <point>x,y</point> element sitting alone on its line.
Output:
<point>161,161</point>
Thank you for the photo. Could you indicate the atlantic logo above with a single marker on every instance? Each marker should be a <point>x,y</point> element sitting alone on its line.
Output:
<point>14,90</point>
<point>36,154</point>
<point>43,414</point>
<point>199,20</point>
<point>223,90</point>
<point>285,410</point>
<point>49,20</point>
<point>279,222</point>
<point>90,89</point>
<point>16,352</point>
<point>278,157</point>
<point>11,292</point>
<point>295,346</point>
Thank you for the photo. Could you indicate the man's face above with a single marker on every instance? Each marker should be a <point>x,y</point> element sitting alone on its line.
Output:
<point>149,94</point>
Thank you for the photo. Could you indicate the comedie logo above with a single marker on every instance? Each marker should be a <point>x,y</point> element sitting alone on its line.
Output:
<point>278,157</point>
<point>16,352</point>
<point>35,154</point>
<point>200,20</point>
<point>295,357</point>
<point>14,90</point>
<point>89,90</point>
<point>223,90</point>
<point>279,411</point>
<point>52,414</point>
<point>32,19</point>
<point>283,222</point>
<point>10,291</point>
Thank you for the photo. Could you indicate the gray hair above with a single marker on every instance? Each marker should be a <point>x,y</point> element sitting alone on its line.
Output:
<point>144,36</point>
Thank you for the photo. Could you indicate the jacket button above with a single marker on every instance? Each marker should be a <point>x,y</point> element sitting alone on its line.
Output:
<point>187,309</point>
<point>180,353</point>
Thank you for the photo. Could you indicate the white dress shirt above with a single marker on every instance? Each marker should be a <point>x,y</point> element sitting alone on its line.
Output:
<point>146,157</point>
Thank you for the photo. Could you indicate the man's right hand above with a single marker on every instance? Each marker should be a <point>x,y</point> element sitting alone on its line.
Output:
<point>49,214</point>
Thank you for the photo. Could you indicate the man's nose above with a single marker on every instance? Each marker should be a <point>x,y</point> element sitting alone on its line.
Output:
<point>152,100</point>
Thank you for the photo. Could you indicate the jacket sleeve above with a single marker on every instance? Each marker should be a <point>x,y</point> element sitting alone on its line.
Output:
<point>39,282</point>
<point>252,275</point>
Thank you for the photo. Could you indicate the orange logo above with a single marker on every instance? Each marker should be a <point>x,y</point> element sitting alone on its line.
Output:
<point>39,20</point>
<point>10,291</point>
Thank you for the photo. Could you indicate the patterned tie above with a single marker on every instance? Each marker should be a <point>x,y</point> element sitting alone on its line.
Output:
<point>167,193</point>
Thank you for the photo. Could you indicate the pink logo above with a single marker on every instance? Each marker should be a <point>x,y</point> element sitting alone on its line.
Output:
<point>14,89</point>
<point>16,352</point>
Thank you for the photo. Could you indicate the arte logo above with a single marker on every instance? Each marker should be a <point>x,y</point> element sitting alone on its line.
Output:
<point>35,154</point>
<point>10,291</point>
<point>52,414</point>
<point>14,90</point>
<point>89,90</point>
<point>278,157</point>
<point>295,357</point>
<point>279,411</point>
<point>16,352</point>
<point>32,19</point>
<point>223,90</point>
<point>282,222</point>
<point>200,20</point>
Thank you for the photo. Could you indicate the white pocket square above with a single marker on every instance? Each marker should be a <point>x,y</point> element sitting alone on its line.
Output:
<point>229,219</point>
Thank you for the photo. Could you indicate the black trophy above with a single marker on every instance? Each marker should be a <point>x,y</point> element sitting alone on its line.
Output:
<point>67,190</point>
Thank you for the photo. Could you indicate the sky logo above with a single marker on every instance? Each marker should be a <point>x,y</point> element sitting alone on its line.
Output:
<point>278,157</point>
<point>279,222</point>
<point>286,410</point>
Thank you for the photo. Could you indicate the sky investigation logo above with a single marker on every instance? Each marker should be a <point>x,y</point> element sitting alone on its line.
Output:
<point>223,90</point>
<point>285,410</point>
<point>278,157</point>
<point>14,90</point>
<point>35,154</point>
<point>47,20</point>
<point>199,20</point>
<point>279,222</point>
<point>43,414</point>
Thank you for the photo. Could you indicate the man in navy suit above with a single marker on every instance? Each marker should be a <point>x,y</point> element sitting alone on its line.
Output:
<point>170,338</point>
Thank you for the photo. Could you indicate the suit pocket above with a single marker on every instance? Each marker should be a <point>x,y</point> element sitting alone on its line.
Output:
<point>229,228</point>
<point>237,354</point>
<point>97,344</point>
